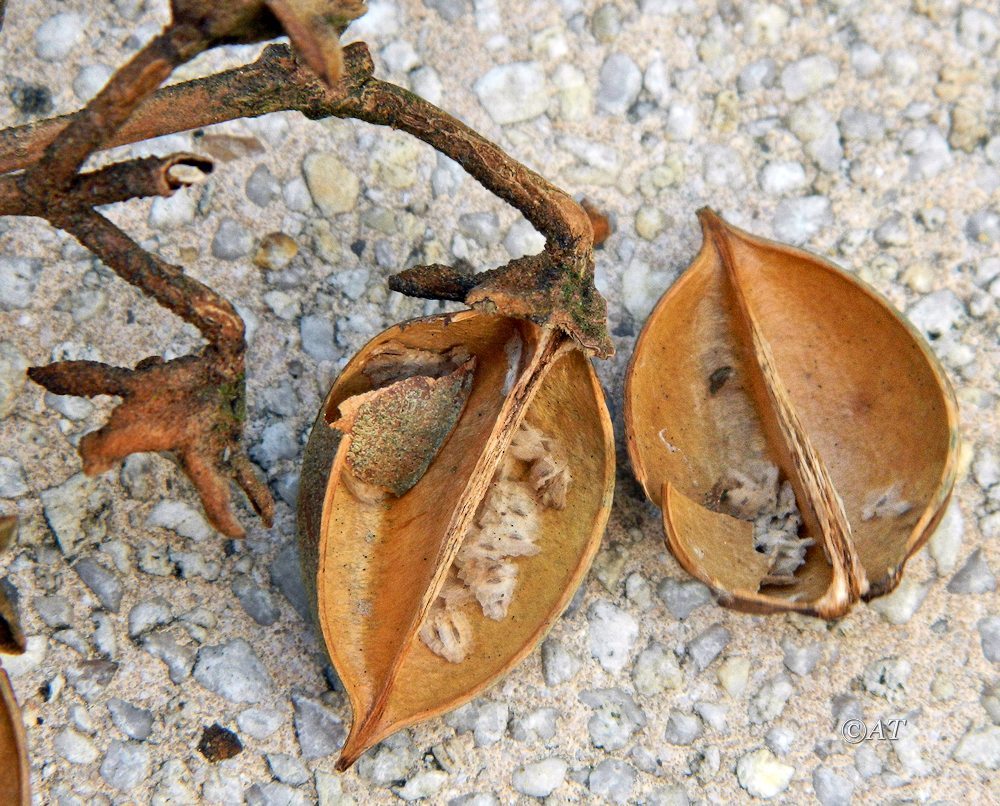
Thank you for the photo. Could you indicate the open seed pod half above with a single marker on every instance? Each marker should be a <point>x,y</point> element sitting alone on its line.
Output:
<point>798,435</point>
<point>454,490</point>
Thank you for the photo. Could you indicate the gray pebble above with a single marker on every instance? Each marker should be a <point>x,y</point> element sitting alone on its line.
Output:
<point>780,740</point>
<point>616,717</point>
<point>181,518</point>
<point>103,582</point>
<point>782,176</point>
<point>539,724</point>
<point>655,670</point>
<point>277,443</point>
<point>450,10</point>
<point>56,611</point>
<point>69,406</point>
<point>286,576</point>
<point>865,60</point>
<point>867,762</point>
<point>483,228</point>
<point>668,796</point>
<point>540,779</point>
<point>770,699</point>
<point>807,76</point>
<point>831,788</point>
<point>989,636</point>
<point>978,30</point>
<point>559,665</point>
<point>319,730</point>
<point>233,671</point>
<point>893,231</point>
<point>929,152</point>
<point>173,212</point>
<point>798,220</point>
<point>317,334</point>
<point>936,314</point>
<point>682,728</point>
<point>70,509</point>
<point>262,187</point>
<point>179,659</point>
<point>682,598</point>
<point>511,93</point>
<point>287,769</point>
<point>89,678</point>
<point>389,761</point>
<point>756,76</point>
<point>523,239</point>
<point>713,714</point>
<point>974,576</point>
<point>801,660</point>
<point>983,227</point>
<point>125,765</point>
<point>887,677</point>
<point>75,747</point>
<point>606,23</point>
<point>612,634</point>
<point>259,722</point>
<point>490,723</point>
<point>12,374</point>
<point>274,793</point>
<point>232,240</point>
<point>422,785</point>
<point>900,605</point>
<point>707,645</point>
<point>58,35</point>
<point>618,84</point>
<point>612,779</point>
<point>257,601</point>
<point>134,722</point>
<point>12,481</point>
<point>147,614</point>
<point>90,80</point>
<point>981,747</point>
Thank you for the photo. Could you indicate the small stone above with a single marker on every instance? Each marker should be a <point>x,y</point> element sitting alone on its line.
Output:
<point>232,240</point>
<point>892,232</point>
<point>734,673</point>
<point>13,366</point>
<point>682,598</point>
<point>286,576</point>
<point>682,729</point>
<point>134,722</point>
<point>983,227</point>
<point>609,565</point>
<point>153,559</point>
<point>259,722</point>
<point>277,443</point>
<point>181,518</point>
<point>56,611</point>
<point>33,100</point>
<point>798,220</point>
<point>540,779</point>
<point>612,634</point>
<point>831,788</point>
<point>450,10</point>
<point>257,601</point>
<point>218,743</point>
<point>125,765</point>
<point>12,481</point>
<point>782,176</point>
<point>618,84</point>
<point>425,82</point>
<point>539,724</point>
<point>978,30</point>
<point>523,239</point>
<point>75,747</point>
<point>867,762</point>
<point>770,700</point>
<point>330,790</point>
<point>780,740</point>
<point>104,583</point>
<point>756,76</point>
<point>919,277</point>
<point>974,576</point>
<point>511,93</point>
<point>275,251</point>
<point>613,780</point>
<point>389,761</point>
<point>178,658</point>
<point>980,747</point>
<point>707,645</point>
<point>275,793</point>
<point>762,775</point>
<point>887,678</point>
<point>317,334</point>
<point>233,671</point>
<point>69,406</point>
<point>71,508</point>
<point>319,730</point>
<point>616,717</point>
<point>58,35</point>
<point>656,670</point>
<point>490,723</point>
<point>174,211</point>
<point>333,186</point>
<point>802,660</point>
<point>989,636</point>
<point>147,614</point>
<point>639,592</point>
<point>262,187</point>
<point>807,76</point>
<point>650,222</point>
<point>900,605</point>
<point>559,665</point>
<point>483,228</point>
<point>18,278</point>
<point>287,769</point>
<point>937,313</point>
<point>424,784</point>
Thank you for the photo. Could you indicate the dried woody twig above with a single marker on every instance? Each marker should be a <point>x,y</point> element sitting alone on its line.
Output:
<point>194,405</point>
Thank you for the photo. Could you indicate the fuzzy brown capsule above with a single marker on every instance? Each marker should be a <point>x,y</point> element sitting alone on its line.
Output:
<point>454,491</point>
<point>798,435</point>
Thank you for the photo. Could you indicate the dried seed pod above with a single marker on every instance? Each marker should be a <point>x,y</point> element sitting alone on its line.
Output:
<point>454,491</point>
<point>14,772</point>
<point>798,435</point>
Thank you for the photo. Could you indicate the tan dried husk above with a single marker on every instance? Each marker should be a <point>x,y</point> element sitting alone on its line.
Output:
<point>374,570</point>
<point>762,355</point>
<point>14,771</point>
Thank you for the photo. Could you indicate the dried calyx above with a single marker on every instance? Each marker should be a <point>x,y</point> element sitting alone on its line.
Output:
<point>14,771</point>
<point>464,522</point>
<point>799,437</point>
